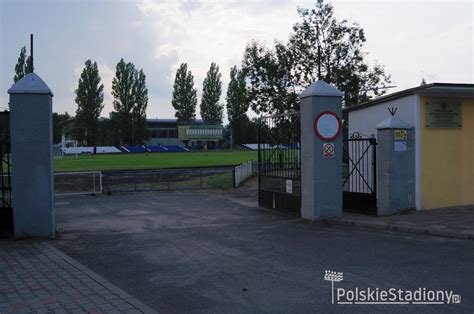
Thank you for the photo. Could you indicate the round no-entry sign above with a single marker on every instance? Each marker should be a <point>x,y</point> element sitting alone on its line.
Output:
<point>327,126</point>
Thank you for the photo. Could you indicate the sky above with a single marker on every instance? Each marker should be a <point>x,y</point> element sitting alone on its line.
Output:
<point>412,39</point>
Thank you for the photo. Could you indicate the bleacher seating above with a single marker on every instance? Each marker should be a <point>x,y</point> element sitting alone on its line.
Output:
<point>156,149</point>
<point>77,150</point>
<point>176,149</point>
<point>135,149</point>
<point>251,146</point>
<point>268,146</point>
<point>107,150</point>
<point>124,149</point>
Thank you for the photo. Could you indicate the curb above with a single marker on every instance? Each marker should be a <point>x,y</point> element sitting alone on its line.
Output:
<point>395,227</point>
<point>106,284</point>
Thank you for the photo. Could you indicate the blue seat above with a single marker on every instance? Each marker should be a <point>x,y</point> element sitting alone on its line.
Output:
<point>136,149</point>
<point>176,149</point>
<point>156,149</point>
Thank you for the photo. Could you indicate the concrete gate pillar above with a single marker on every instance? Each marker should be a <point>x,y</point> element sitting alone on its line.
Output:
<point>31,149</point>
<point>321,151</point>
<point>395,166</point>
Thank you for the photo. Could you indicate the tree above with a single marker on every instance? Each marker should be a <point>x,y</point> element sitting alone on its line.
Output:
<point>211,110</point>
<point>140,93</point>
<point>237,104</point>
<point>60,122</point>
<point>272,88</point>
<point>184,94</point>
<point>329,49</point>
<point>23,66</point>
<point>89,100</point>
<point>130,103</point>
<point>320,47</point>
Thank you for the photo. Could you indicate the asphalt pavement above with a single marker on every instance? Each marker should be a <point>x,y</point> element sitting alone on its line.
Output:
<point>217,252</point>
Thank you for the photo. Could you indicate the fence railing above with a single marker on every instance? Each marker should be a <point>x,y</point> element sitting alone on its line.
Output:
<point>97,182</point>
<point>245,172</point>
<point>75,183</point>
<point>167,179</point>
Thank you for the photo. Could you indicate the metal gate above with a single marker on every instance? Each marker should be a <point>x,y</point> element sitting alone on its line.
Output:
<point>359,175</point>
<point>279,175</point>
<point>6,213</point>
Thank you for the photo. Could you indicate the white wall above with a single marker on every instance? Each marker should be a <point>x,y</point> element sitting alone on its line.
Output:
<point>364,120</point>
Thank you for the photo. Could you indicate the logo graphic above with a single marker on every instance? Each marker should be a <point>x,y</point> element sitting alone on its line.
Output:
<point>371,296</point>
<point>333,276</point>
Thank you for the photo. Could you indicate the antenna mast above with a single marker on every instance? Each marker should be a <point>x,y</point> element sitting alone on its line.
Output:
<point>31,53</point>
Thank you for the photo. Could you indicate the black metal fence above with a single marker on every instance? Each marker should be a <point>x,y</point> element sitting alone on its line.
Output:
<point>359,175</point>
<point>6,213</point>
<point>279,184</point>
<point>167,179</point>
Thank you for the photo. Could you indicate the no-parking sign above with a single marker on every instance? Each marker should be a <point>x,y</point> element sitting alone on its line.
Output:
<point>327,126</point>
<point>328,150</point>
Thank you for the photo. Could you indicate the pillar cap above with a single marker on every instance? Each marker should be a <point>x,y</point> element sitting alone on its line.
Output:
<point>30,84</point>
<point>321,88</point>
<point>393,123</point>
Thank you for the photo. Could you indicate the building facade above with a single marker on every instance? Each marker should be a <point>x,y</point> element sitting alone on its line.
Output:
<point>442,115</point>
<point>196,134</point>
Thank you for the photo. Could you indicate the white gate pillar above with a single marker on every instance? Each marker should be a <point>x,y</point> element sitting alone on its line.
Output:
<point>321,151</point>
<point>31,149</point>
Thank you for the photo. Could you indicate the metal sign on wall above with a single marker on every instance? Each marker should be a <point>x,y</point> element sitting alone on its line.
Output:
<point>443,114</point>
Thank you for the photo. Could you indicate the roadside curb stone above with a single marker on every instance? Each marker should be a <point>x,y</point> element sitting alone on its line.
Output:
<point>400,227</point>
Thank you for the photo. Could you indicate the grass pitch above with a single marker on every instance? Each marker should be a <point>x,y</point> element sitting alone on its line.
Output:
<point>152,160</point>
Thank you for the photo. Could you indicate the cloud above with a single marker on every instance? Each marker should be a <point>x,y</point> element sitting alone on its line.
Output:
<point>199,33</point>
<point>106,75</point>
<point>406,37</point>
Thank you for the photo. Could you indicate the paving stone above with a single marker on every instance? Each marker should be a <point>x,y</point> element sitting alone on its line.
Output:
<point>37,278</point>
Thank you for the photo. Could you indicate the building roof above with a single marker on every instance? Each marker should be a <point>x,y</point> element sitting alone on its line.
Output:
<point>162,120</point>
<point>433,89</point>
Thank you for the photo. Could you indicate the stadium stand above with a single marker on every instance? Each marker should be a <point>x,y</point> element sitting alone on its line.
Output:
<point>121,149</point>
<point>176,149</point>
<point>107,150</point>
<point>135,149</point>
<point>268,146</point>
<point>156,149</point>
<point>77,150</point>
<point>251,146</point>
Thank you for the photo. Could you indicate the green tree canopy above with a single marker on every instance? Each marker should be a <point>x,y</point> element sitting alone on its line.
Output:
<point>60,121</point>
<point>184,94</point>
<point>320,47</point>
<point>272,88</point>
<point>89,100</point>
<point>237,104</point>
<point>211,110</point>
<point>23,66</point>
<point>130,103</point>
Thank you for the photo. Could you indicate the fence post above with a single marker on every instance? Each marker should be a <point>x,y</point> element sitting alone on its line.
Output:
<point>100,182</point>
<point>135,180</point>
<point>169,181</point>
<point>93,182</point>
<point>200,177</point>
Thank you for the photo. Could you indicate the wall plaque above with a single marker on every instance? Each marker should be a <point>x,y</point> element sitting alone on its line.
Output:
<point>443,114</point>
